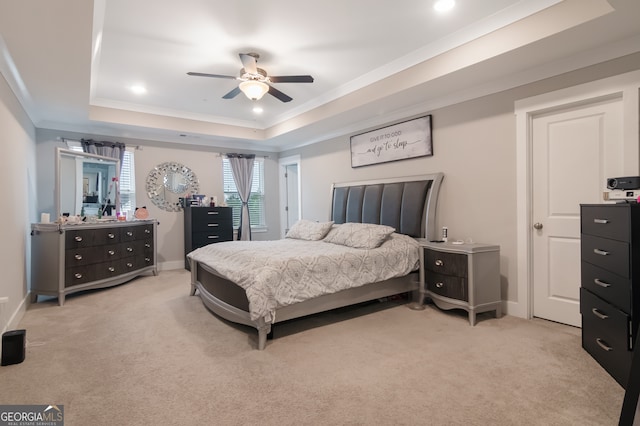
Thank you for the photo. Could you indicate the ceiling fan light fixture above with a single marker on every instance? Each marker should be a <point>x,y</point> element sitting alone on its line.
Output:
<point>254,89</point>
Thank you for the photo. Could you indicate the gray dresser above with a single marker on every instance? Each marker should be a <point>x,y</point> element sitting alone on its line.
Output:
<point>461,276</point>
<point>69,258</point>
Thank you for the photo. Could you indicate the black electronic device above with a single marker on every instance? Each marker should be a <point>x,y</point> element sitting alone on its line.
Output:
<point>629,182</point>
<point>13,346</point>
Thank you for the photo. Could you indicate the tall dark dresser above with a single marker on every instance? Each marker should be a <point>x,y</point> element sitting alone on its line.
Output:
<point>610,284</point>
<point>206,225</point>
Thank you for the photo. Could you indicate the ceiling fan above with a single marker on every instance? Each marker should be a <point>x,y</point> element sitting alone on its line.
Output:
<point>254,81</point>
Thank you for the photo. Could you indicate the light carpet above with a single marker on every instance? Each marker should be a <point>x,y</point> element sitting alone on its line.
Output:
<point>148,353</point>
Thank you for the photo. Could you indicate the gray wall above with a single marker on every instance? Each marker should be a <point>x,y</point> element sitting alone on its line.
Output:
<point>18,194</point>
<point>474,145</point>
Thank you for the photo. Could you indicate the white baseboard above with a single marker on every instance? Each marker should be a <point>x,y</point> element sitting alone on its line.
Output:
<point>171,265</point>
<point>515,309</point>
<point>16,316</point>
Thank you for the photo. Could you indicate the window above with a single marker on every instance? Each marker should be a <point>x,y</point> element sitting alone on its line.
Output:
<point>256,200</point>
<point>127,178</point>
<point>128,184</point>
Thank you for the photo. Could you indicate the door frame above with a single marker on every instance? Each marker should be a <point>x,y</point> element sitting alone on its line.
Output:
<point>282,165</point>
<point>625,86</point>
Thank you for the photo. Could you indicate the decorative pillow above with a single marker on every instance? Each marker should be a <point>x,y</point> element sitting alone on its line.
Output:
<point>309,230</point>
<point>359,235</point>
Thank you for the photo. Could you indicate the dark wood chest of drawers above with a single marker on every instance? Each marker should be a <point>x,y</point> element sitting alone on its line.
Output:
<point>206,225</point>
<point>610,271</point>
<point>71,258</point>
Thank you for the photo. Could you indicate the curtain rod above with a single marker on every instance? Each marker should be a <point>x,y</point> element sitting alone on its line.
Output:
<point>136,147</point>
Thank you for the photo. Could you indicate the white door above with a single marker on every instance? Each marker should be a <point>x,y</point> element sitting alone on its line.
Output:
<point>574,151</point>
<point>291,209</point>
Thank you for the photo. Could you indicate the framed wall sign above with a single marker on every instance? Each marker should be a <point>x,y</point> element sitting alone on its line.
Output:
<point>409,139</point>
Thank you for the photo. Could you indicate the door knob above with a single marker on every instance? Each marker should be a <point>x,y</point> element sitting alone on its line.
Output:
<point>537,225</point>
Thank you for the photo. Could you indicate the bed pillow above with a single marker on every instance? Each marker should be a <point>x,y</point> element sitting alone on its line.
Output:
<point>309,230</point>
<point>359,235</point>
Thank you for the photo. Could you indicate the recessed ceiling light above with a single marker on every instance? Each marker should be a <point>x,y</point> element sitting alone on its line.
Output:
<point>444,5</point>
<point>138,89</point>
<point>257,110</point>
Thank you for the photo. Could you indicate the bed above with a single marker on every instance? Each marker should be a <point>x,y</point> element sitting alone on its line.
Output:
<point>222,278</point>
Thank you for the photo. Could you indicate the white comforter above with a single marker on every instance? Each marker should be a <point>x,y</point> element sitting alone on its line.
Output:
<point>279,273</point>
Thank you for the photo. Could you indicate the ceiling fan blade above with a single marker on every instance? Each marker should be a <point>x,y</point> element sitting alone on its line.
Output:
<point>232,94</point>
<point>278,94</point>
<point>199,74</point>
<point>249,63</point>
<point>291,79</point>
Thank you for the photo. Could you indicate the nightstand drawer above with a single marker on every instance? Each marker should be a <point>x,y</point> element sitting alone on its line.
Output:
<point>605,221</point>
<point>447,286</point>
<point>609,254</point>
<point>609,286</point>
<point>445,263</point>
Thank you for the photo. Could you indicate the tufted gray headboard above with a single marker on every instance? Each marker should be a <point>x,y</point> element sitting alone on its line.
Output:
<point>408,204</point>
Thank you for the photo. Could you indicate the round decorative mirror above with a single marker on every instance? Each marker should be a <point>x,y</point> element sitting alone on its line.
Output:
<point>168,182</point>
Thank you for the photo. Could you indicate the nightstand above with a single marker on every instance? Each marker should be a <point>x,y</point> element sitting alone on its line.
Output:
<point>461,276</point>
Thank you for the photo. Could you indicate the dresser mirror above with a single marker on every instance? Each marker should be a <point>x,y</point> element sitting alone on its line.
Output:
<point>85,183</point>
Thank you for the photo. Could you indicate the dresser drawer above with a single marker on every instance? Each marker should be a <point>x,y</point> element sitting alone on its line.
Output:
<point>606,221</point>
<point>91,237</point>
<point>608,254</point>
<point>132,233</point>
<point>212,225</point>
<point>608,322</point>
<point>445,263</point>
<point>207,214</point>
<point>609,286</point>
<point>201,240</point>
<point>606,340</point>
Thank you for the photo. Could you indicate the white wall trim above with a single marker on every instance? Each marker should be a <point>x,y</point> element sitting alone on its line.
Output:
<point>626,85</point>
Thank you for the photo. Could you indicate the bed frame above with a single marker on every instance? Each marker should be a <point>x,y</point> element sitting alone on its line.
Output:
<point>408,204</point>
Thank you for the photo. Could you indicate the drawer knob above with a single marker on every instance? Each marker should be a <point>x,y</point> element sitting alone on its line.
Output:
<point>146,231</point>
<point>78,238</point>
<point>601,283</point>
<point>439,262</point>
<point>212,224</point>
<point>212,237</point>
<point>210,212</point>
<point>603,345</point>
<point>111,236</point>
<point>601,221</point>
<point>78,275</point>
<point>129,265</point>
<point>599,314</point>
<point>601,252</point>
<point>112,269</point>
<point>439,285</point>
<point>78,257</point>
<point>111,252</point>
<point>129,234</point>
<point>129,249</point>
<point>147,245</point>
<point>146,259</point>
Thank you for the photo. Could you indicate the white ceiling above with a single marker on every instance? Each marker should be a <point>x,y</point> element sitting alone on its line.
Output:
<point>71,63</point>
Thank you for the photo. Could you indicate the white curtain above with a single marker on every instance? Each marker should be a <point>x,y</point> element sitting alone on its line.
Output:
<point>242,169</point>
